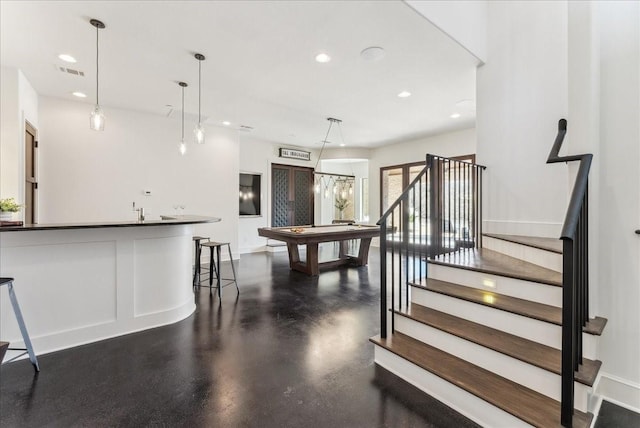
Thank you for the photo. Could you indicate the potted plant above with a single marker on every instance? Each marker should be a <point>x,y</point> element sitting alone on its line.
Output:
<point>341,204</point>
<point>8,206</point>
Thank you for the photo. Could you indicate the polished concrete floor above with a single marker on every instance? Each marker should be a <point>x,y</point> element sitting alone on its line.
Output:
<point>291,351</point>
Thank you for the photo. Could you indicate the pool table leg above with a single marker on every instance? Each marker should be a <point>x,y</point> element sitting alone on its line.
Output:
<point>311,266</point>
<point>294,256</point>
<point>312,259</point>
<point>363,252</point>
<point>343,250</point>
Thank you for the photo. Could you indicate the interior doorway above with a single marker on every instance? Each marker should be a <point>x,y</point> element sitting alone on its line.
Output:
<point>30,171</point>
<point>291,195</point>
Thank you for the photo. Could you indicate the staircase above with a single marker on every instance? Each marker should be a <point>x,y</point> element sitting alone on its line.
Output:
<point>481,326</point>
<point>490,326</point>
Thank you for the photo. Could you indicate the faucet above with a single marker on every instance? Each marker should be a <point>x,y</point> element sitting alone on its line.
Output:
<point>140,212</point>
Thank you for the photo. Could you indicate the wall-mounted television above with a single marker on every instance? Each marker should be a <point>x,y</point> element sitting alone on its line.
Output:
<point>250,192</point>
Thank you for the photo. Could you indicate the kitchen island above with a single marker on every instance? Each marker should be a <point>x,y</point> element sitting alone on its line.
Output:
<point>83,282</point>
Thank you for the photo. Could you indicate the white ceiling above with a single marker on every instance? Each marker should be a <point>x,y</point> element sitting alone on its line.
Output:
<point>260,69</point>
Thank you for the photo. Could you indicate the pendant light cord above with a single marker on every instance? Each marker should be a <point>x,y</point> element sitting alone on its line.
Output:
<point>323,143</point>
<point>182,137</point>
<point>97,69</point>
<point>199,88</point>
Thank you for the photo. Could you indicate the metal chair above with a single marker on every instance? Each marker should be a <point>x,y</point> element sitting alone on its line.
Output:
<point>197,268</point>
<point>23,328</point>
<point>215,268</point>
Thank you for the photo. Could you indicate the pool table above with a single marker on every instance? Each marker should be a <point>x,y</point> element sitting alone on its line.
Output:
<point>311,236</point>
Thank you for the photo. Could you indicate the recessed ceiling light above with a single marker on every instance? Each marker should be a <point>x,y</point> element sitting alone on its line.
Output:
<point>80,94</point>
<point>373,53</point>
<point>404,94</point>
<point>67,58</point>
<point>226,123</point>
<point>323,57</point>
<point>455,115</point>
<point>342,144</point>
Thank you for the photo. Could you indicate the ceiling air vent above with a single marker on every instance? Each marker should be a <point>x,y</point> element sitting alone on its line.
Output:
<point>71,71</point>
<point>245,128</point>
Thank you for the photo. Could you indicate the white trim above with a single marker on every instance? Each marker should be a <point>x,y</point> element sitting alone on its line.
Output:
<point>248,250</point>
<point>525,374</point>
<point>513,287</point>
<point>619,391</point>
<point>457,398</point>
<point>537,256</point>
<point>506,227</point>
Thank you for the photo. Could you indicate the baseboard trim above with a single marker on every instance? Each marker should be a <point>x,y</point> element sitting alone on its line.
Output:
<point>249,250</point>
<point>619,391</point>
<point>525,228</point>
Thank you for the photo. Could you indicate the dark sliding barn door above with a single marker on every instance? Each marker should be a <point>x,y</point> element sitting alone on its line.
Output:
<point>291,195</point>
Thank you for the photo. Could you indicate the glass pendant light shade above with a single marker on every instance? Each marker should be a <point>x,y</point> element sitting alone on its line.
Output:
<point>199,133</point>
<point>182,148</point>
<point>96,121</point>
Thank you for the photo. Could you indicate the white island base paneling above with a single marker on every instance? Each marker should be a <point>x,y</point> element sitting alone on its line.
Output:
<point>77,286</point>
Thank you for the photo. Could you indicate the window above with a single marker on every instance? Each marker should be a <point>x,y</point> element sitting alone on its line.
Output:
<point>393,181</point>
<point>364,200</point>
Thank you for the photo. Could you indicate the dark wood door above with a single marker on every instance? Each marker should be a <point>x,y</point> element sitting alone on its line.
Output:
<point>291,195</point>
<point>31,185</point>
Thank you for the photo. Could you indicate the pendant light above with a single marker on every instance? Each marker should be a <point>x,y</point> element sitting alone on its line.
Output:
<point>338,184</point>
<point>96,121</point>
<point>182,146</point>
<point>199,130</point>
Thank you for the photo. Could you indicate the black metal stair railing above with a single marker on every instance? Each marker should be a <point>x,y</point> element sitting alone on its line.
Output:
<point>575,273</point>
<point>439,212</point>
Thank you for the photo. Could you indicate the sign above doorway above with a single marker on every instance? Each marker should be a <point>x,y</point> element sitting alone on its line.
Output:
<point>295,154</point>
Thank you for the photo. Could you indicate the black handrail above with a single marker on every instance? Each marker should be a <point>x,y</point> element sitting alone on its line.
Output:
<point>575,273</point>
<point>582,178</point>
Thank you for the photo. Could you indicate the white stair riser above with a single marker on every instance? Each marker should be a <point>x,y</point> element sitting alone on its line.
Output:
<point>458,399</point>
<point>547,259</point>
<point>529,328</point>
<point>535,378</point>
<point>528,290</point>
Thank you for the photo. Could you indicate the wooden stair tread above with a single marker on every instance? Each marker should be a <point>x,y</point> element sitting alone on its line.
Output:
<point>3,349</point>
<point>530,406</point>
<point>548,244</point>
<point>595,326</point>
<point>528,351</point>
<point>492,262</point>
<point>527,308</point>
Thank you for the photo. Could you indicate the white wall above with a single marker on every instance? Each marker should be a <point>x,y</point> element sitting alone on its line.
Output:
<point>522,93</point>
<point>90,176</point>
<point>19,104</point>
<point>618,297</point>
<point>256,156</point>
<point>580,61</point>
<point>451,144</point>
<point>463,21</point>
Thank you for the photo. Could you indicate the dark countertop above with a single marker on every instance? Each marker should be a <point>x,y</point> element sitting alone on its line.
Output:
<point>167,221</point>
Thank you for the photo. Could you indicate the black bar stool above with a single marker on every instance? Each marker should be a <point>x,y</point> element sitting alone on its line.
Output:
<point>23,328</point>
<point>197,268</point>
<point>215,269</point>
